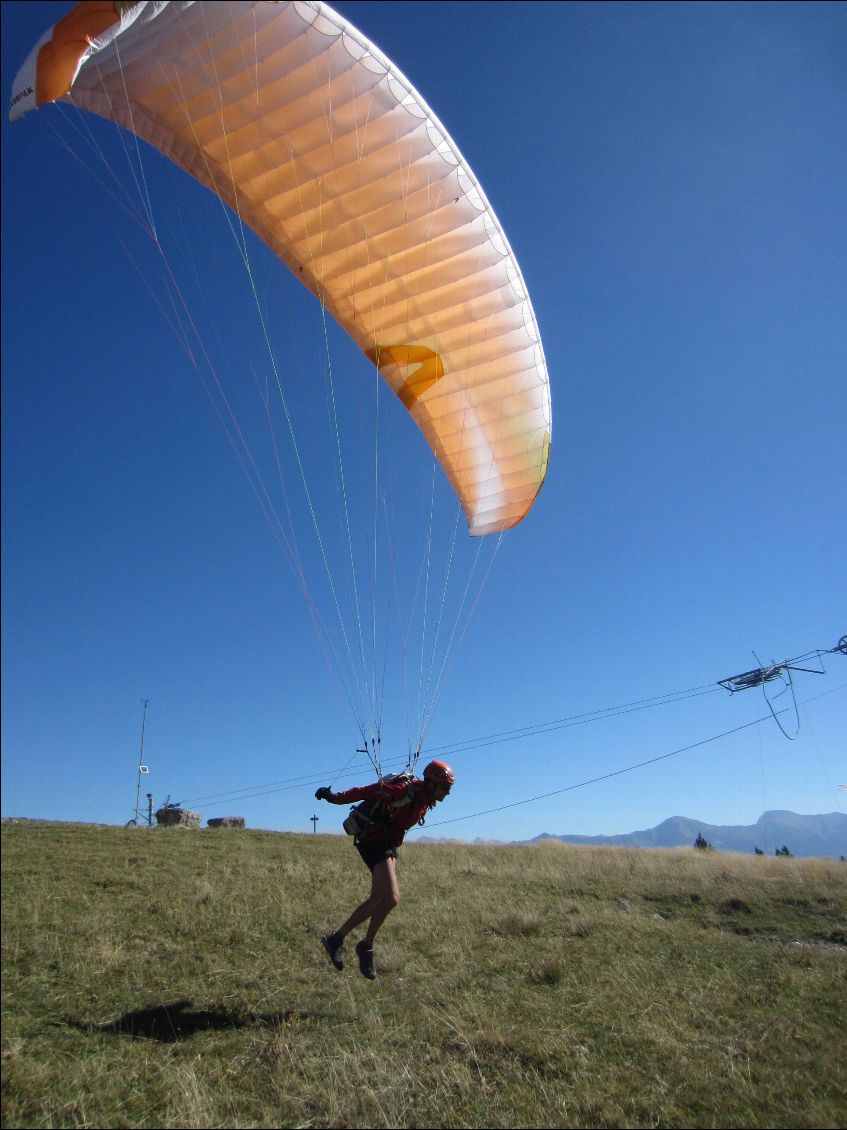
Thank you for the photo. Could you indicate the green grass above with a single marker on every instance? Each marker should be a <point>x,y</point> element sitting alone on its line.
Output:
<point>168,978</point>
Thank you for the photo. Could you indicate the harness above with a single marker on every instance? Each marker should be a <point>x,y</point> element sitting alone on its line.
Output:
<point>368,813</point>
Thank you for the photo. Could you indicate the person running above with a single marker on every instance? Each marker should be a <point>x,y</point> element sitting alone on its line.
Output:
<point>400,805</point>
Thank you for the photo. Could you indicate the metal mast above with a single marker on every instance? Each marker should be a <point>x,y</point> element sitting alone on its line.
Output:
<point>142,768</point>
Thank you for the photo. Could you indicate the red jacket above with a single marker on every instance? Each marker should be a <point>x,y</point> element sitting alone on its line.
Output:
<point>406,803</point>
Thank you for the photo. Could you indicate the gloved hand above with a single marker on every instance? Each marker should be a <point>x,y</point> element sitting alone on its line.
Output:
<point>323,793</point>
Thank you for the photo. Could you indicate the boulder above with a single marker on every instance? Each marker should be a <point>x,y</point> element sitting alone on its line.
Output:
<point>173,817</point>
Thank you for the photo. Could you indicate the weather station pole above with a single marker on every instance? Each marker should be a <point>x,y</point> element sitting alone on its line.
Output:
<point>142,768</point>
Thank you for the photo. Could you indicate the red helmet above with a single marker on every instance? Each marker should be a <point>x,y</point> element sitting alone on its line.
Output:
<point>439,773</point>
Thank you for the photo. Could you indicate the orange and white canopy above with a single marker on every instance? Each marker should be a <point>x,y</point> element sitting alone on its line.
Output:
<point>326,151</point>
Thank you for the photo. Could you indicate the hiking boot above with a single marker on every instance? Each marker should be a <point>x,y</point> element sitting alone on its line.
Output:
<point>333,944</point>
<point>365,954</point>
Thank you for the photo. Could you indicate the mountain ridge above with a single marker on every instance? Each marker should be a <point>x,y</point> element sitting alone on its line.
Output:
<point>822,834</point>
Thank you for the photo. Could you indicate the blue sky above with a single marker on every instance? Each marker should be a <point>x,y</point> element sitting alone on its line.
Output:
<point>671,179</point>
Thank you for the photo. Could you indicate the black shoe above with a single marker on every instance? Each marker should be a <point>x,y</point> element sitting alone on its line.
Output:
<point>366,960</point>
<point>333,944</point>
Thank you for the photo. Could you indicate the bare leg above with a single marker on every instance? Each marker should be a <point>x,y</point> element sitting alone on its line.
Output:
<point>384,897</point>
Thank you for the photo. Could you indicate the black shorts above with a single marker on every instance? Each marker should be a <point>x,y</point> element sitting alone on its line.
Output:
<point>376,851</point>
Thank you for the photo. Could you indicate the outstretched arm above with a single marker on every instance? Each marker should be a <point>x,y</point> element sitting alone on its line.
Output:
<point>351,796</point>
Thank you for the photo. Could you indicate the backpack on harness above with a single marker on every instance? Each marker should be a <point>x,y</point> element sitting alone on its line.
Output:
<point>370,812</point>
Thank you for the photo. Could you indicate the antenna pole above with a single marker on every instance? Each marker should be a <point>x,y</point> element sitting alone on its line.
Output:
<point>144,703</point>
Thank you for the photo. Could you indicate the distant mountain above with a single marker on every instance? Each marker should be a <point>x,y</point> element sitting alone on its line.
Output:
<point>824,834</point>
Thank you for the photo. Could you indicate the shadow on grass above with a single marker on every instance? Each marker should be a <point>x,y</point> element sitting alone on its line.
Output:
<point>170,1023</point>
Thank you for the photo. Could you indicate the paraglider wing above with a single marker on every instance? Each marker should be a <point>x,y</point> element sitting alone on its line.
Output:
<point>320,145</point>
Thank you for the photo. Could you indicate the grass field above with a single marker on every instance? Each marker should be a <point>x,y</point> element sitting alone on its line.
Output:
<point>172,978</point>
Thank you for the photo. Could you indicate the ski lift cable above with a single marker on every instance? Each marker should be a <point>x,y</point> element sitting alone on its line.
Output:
<point>573,720</point>
<point>287,783</point>
<point>626,769</point>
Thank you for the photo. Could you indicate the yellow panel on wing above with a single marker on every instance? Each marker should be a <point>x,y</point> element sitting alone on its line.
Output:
<point>391,360</point>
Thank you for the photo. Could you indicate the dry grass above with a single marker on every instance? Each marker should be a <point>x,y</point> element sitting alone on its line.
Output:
<point>174,979</point>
